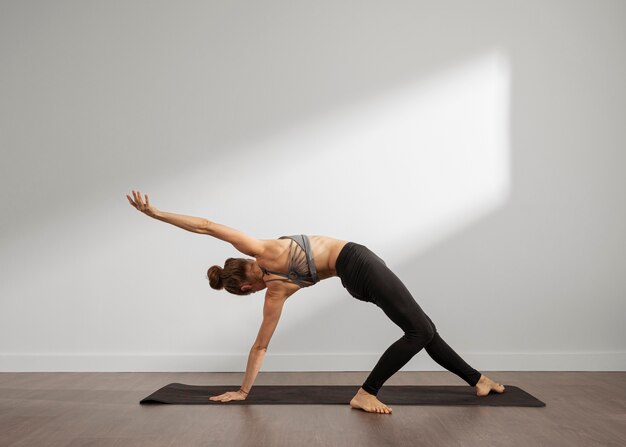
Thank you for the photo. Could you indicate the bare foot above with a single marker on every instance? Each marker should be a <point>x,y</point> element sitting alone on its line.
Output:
<point>369,402</point>
<point>485,384</point>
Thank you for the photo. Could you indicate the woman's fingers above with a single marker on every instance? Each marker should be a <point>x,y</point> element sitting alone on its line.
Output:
<point>226,397</point>
<point>138,202</point>
<point>144,202</point>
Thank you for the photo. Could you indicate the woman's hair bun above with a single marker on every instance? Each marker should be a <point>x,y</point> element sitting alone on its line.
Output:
<point>215,279</point>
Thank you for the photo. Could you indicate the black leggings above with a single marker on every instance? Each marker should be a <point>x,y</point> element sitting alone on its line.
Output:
<point>366,277</point>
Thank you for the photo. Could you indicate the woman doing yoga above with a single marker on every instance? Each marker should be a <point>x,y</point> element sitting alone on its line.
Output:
<point>285,265</point>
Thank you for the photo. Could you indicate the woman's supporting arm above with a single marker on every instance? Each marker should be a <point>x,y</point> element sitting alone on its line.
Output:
<point>255,360</point>
<point>272,309</point>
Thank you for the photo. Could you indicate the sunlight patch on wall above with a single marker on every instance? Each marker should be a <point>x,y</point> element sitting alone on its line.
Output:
<point>397,172</point>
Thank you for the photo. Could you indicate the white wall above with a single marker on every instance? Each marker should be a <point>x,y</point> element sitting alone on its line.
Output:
<point>478,147</point>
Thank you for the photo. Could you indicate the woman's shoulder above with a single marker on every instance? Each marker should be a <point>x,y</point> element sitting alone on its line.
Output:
<point>272,249</point>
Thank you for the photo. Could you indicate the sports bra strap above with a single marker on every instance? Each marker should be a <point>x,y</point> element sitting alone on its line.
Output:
<point>293,275</point>
<point>308,251</point>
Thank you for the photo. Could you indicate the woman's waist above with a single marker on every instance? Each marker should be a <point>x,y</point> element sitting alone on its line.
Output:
<point>354,261</point>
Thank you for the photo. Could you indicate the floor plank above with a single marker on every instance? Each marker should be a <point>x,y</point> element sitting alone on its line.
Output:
<point>102,409</point>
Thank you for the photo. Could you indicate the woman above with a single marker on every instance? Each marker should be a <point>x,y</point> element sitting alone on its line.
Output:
<point>285,265</point>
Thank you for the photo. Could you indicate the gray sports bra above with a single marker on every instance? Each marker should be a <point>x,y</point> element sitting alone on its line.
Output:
<point>301,269</point>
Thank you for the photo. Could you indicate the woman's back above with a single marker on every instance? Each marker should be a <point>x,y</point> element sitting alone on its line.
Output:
<point>287,251</point>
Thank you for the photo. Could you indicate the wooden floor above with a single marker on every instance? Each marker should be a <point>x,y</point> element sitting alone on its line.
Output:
<point>102,409</point>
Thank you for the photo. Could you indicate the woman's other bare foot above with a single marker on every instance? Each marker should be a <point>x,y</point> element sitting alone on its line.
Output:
<point>485,385</point>
<point>368,402</point>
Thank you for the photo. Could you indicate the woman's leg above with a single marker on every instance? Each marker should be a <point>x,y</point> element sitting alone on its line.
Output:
<point>391,295</point>
<point>445,356</point>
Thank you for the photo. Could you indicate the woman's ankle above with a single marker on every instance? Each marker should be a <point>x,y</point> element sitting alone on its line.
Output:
<point>363,391</point>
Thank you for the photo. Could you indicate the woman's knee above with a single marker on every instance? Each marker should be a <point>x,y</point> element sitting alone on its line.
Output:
<point>421,336</point>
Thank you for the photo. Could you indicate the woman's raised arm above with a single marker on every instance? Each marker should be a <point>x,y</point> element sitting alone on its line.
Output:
<point>241,241</point>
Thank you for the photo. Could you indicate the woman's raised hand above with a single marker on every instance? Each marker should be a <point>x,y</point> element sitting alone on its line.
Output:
<point>138,203</point>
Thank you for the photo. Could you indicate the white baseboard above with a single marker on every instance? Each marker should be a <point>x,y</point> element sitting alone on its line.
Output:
<point>547,361</point>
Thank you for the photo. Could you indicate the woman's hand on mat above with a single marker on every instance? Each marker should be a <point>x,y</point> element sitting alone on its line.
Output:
<point>229,395</point>
<point>142,206</point>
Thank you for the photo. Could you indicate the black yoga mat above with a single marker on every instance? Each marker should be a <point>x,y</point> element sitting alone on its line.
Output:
<point>179,393</point>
